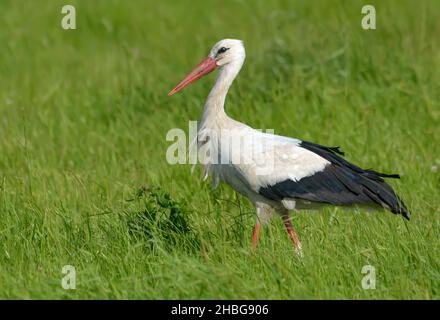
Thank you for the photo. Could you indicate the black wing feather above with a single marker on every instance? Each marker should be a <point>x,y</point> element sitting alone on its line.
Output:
<point>340,183</point>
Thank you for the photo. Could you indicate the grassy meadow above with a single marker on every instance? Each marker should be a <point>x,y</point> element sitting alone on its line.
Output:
<point>84,181</point>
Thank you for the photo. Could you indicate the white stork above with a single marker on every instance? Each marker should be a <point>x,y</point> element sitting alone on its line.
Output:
<point>276,173</point>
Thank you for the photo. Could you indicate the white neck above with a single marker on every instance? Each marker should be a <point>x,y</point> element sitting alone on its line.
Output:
<point>213,111</point>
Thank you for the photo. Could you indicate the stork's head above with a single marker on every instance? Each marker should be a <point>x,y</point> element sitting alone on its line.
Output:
<point>224,53</point>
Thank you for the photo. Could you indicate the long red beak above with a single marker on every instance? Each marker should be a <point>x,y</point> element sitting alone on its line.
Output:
<point>206,66</point>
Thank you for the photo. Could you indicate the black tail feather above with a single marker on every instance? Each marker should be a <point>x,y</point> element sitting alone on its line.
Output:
<point>371,181</point>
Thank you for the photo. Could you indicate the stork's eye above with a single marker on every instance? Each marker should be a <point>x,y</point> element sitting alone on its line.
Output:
<point>222,50</point>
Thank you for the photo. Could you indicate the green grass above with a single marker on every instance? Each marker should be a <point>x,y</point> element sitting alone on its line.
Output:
<point>83,175</point>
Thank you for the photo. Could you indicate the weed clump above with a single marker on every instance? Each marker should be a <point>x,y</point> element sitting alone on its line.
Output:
<point>162,220</point>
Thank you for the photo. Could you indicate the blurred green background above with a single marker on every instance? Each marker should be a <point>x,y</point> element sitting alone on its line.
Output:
<point>83,175</point>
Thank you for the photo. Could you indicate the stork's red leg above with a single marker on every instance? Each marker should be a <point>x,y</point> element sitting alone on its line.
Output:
<point>256,232</point>
<point>291,232</point>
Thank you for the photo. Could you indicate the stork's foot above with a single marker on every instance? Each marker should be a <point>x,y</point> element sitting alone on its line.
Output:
<point>255,234</point>
<point>299,252</point>
<point>292,234</point>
